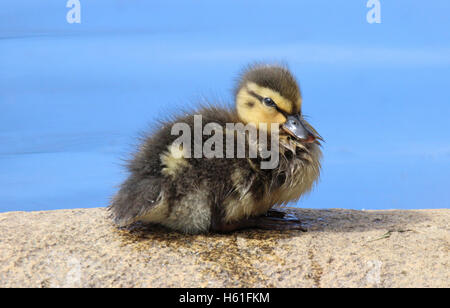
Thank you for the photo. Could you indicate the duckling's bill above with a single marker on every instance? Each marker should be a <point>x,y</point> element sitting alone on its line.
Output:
<point>296,127</point>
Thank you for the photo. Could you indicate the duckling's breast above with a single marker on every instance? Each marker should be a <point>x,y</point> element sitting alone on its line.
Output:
<point>255,191</point>
<point>297,174</point>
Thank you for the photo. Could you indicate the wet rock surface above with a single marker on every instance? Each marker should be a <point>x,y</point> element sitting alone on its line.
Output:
<point>342,248</point>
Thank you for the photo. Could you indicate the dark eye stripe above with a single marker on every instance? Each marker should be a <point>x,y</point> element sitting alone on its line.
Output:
<point>266,100</point>
<point>261,99</point>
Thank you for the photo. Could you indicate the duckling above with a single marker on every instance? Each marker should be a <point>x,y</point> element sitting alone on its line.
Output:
<point>171,184</point>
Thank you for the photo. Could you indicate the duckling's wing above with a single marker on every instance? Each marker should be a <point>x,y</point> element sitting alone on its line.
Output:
<point>136,197</point>
<point>142,191</point>
<point>147,185</point>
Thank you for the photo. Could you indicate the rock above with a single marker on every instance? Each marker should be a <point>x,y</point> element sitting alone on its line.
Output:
<point>343,248</point>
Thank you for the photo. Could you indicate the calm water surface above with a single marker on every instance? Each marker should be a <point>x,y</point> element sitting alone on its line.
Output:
<point>74,97</point>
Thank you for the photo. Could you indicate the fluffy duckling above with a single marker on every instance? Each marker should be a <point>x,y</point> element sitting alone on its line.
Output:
<point>177,186</point>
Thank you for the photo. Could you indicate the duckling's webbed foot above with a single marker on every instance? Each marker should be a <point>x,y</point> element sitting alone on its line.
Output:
<point>278,220</point>
<point>272,220</point>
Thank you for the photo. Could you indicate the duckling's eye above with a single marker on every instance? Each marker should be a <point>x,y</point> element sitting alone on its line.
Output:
<point>269,102</point>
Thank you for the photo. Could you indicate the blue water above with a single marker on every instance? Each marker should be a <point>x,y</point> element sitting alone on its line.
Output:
<point>74,97</point>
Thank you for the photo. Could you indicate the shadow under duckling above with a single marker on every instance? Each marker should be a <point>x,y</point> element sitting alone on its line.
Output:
<point>191,191</point>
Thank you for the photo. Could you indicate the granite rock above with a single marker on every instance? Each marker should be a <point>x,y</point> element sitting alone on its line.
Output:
<point>342,248</point>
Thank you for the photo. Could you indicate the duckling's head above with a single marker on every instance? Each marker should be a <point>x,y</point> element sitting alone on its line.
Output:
<point>269,94</point>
